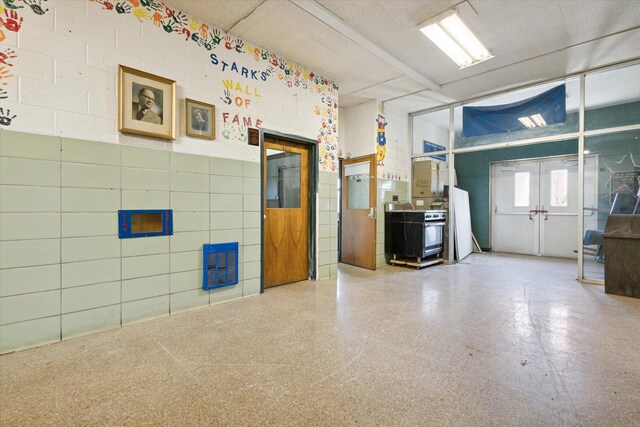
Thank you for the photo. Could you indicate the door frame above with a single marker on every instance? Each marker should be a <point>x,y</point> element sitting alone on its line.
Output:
<point>312,146</point>
<point>491,192</point>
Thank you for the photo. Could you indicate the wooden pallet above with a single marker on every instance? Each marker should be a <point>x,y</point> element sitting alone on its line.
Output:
<point>415,263</point>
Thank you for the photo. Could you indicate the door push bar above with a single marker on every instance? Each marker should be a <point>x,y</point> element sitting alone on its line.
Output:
<point>536,211</point>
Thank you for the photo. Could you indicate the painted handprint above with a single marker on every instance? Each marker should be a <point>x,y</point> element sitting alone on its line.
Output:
<point>180,18</point>
<point>215,37</point>
<point>107,5</point>
<point>204,29</point>
<point>4,74</point>
<point>141,14</point>
<point>7,54</point>
<point>186,33</point>
<point>149,4</point>
<point>5,119</point>
<point>227,97</point>
<point>134,3</point>
<point>170,26</point>
<point>227,42</point>
<point>36,6</point>
<point>274,59</point>
<point>206,43</point>
<point>157,19</point>
<point>194,25</point>
<point>13,22</point>
<point>9,4</point>
<point>123,8</point>
<point>239,44</point>
<point>242,132</point>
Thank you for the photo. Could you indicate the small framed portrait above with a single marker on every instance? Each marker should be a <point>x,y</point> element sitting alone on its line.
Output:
<point>147,104</point>
<point>200,119</point>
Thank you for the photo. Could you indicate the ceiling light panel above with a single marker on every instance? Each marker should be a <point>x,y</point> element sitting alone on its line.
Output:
<point>455,39</point>
<point>449,46</point>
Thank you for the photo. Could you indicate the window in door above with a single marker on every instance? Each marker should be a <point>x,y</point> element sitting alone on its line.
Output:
<point>559,192</point>
<point>521,187</point>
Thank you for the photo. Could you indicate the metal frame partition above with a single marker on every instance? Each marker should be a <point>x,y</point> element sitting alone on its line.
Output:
<point>580,135</point>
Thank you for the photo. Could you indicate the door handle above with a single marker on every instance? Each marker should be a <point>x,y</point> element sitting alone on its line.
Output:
<point>372,213</point>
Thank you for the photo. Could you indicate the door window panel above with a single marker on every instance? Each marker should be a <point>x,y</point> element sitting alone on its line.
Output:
<point>521,189</point>
<point>283,179</point>
<point>559,192</point>
<point>358,192</point>
<point>357,185</point>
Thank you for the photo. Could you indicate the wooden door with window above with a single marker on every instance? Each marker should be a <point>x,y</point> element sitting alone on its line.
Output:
<point>286,210</point>
<point>359,199</point>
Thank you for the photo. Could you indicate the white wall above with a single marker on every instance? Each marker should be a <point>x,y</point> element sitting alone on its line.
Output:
<point>63,81</point>
<point>397,162</point>
<point>358,127</point>
<point>429,127</point>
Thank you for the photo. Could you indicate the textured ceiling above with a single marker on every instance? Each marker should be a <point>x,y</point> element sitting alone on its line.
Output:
<point>532,40</point>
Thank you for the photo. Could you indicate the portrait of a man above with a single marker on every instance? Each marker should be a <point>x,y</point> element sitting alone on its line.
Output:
<point>142,108</point>
<point>152,100</point>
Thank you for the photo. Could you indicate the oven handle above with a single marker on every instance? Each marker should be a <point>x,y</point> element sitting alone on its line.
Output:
<point>434,224</point>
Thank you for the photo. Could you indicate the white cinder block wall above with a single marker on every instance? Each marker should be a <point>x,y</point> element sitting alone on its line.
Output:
<point>65,169</point>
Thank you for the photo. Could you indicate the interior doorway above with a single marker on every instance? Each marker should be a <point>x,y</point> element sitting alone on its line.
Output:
<point>288,210</point>
<point>358,214</point>
<point>535,206</point>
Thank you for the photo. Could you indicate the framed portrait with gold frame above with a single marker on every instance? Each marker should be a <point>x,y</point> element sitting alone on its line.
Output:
<point>200,119</point>
<point>147,104</point>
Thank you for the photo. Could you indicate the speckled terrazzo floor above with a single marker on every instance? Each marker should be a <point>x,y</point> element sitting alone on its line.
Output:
<point>494,340</point>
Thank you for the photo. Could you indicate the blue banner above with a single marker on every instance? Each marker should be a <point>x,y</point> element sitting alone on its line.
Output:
<point>542,110</point>
<point>430,147</point>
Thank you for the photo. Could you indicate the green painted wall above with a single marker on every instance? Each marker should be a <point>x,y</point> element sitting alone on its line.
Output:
<point>473,170</point>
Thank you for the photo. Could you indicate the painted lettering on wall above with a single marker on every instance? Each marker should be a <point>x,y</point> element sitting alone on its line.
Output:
<point>220,49</point>
<point>237,119</point>
<point>243,71</point>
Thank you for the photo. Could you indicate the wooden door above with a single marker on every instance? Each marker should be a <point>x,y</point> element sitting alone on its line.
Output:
<point>286,209</point>
<point>358,227</point>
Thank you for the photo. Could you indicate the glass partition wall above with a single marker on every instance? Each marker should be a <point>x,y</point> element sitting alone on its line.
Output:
<point>585,126</point>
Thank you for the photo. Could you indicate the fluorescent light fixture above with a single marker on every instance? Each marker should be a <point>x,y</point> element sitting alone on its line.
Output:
<point>587,151</point>
<point>447,45</point>
<point>537,118</point>
<point>452,36</point>
<point>527,122</point>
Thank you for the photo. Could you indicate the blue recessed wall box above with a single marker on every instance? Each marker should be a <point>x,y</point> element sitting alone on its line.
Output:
<point>145,223</point>
<point>220,261</point>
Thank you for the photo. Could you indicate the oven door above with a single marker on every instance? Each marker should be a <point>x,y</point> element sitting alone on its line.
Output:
<point>433,236</point>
